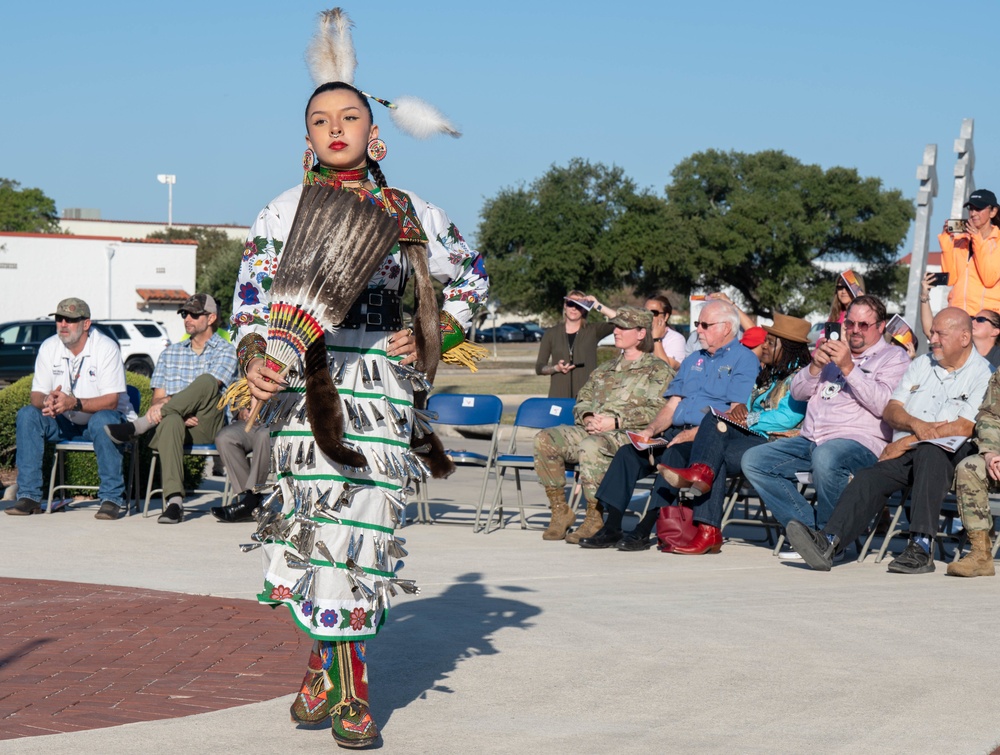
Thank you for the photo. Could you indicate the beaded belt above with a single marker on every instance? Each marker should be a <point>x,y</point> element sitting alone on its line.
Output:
<point>376,310</point>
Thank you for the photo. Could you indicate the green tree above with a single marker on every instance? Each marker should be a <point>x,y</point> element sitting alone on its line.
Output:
<point>564,231</point>
<point>763,222</point>
<point>26,210</point>
<point>217,262</point>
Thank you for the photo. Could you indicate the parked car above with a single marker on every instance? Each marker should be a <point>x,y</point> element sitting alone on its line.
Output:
<point>500,334</point>
<point>531,330</point>
<point>19,342</point>
<point>141,342</point>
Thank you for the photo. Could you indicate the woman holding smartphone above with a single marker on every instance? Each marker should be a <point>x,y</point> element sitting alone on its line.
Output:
<point>972,257</point>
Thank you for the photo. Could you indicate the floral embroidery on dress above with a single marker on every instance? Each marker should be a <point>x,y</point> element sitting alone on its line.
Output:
<point>249,294</point>
<point>280,592</point>
<point>329,618</point>
<point>357,619</point>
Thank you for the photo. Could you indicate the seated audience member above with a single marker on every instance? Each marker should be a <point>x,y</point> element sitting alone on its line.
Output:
<point>622,394</point>
<point>246,456</point>
<point>847,385</point>
<point>938,397</point>
<point>186,386</point>
<point>568,351</point>
<point>719,375</point>
<point>972,257</point>
<point>78,388</point>
<point>843,295</point>
<point>718,446</point>
<point>976,477</point>
<point>668,344</point>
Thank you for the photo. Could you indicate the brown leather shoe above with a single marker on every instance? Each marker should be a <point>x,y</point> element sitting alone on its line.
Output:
<point>707,540</point>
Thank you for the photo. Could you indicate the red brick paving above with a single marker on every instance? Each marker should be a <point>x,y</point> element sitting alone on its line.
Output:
<point>78,656</point>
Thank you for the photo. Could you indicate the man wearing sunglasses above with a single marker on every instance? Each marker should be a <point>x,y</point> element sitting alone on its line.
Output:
<point>938,398</point>
<point>77,390</point>
<point>186,384</point>
<point>847,386</point>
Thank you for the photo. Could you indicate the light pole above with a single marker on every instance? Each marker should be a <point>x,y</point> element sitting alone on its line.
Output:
<point>169,180</point>
<point>493,306</point>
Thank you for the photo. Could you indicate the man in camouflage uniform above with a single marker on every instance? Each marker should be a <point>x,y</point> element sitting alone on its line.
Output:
<point>622,394</point>
<point>975,477</point>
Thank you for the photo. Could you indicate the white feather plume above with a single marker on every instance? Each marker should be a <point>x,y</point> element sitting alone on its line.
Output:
<point>330,55</point>
<point>420,119</point>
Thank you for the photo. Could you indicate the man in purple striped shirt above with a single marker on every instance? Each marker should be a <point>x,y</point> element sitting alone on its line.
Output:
<point>848,385</point>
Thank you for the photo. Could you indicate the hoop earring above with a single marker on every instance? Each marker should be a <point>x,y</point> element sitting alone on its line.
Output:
<point>377,149</point>
<point>308,160</point>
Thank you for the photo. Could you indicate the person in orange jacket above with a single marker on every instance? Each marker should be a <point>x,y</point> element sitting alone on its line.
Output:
<point>972,258</point>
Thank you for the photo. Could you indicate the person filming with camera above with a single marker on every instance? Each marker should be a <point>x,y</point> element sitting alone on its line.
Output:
<point>971,257</point>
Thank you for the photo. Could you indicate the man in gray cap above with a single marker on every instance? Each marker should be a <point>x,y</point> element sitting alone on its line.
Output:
<point>186,384</point>
<point>622,394</point>
<point>77,390</point>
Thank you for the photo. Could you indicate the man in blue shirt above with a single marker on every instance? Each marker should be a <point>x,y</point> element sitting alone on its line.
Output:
<point>186,385</point>
<point>719,375</point>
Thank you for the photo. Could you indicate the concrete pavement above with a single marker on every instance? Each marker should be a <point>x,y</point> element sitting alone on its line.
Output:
<point>516,644</point>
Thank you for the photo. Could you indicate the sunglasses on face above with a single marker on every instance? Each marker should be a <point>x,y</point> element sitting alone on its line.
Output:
<point>656,312</point>
<point>841,287</point>
<point>60,318</point>
<point>981,319</point>
<point>192,315</point>
<point>861,327</point>
<point>705,325</point>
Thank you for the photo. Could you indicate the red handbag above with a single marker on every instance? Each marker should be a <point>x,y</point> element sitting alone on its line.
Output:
<point>675,527</point>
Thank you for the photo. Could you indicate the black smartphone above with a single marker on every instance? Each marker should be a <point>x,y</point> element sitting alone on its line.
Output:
<point>831,331</point>
<point>939,279</point>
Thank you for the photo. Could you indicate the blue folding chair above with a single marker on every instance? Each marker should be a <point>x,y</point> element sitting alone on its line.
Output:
<point>535,414</point>
<point>64,447</point>
<point>465,410</point>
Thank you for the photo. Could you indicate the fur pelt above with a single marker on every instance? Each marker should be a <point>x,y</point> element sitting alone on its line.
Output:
<point>429,447</point>
<point>324,410</point>
<point>427,322</point>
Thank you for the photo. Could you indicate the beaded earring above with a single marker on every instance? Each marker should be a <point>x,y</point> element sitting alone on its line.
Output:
<point>308,160</point>
<point>377,149</point>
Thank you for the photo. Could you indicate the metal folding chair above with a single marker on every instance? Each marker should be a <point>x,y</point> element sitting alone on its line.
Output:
<point>464,410</point>
<point>535,414</point>
<point>75,446</point>
<point>205,449</point>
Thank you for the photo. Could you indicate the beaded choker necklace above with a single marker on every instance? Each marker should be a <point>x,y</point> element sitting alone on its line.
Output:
<point>323,176</point>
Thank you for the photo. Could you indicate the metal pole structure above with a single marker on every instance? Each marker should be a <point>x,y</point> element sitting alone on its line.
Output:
<point>965,183</point>
<point>111,255</point>
<point>927,175</point>
<point>169,180</point>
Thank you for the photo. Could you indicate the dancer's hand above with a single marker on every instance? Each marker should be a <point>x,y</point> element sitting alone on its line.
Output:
<point>262,381</point>
<point>403,343</point>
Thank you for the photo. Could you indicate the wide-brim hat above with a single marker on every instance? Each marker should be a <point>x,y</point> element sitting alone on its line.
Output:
<point>793,328</point>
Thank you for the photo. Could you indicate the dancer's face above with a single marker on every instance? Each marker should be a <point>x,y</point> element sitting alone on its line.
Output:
<point>339,129</point>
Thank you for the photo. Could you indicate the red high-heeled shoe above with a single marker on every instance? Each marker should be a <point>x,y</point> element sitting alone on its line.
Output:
<point>697,476</point>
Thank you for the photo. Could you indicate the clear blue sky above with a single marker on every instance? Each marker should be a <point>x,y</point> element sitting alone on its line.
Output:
<point>100,97</point>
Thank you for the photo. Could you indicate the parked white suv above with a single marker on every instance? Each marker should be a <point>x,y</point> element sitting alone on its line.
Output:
<point>141,342</point>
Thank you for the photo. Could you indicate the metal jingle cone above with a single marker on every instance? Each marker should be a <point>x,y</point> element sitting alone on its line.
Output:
<point>303,539</point>
<point>347,494</point>
<point>393,548</point>
<point>287,414</point>
<point>412,470</point>
<point>380,560</point>
<point>324,497</point>
<point>390,468</point>
<point>294,562</point>
<point>379,417</point>
<point>397,417</point>
<point>284,451</point>
<point>352,415</point>
<point>366,378</point>
<point>247,547</point>
<point>425,415</point>
<point>376,376</point>
<point>406,585</point>
<point>354,547</point>
<point>311,454</point>
<point>421,427</point>
<point>389,587</point>
<point>399,566</point>
<point>274,461</point>
<point>332,366</point>
<point>366,423</point>
<point>379,466</point>
<point>400,467</point>
<point>425,471</point>
<point>300,455</point>
<point>303,586</point>
<point>325,552</point>
<point>339,378</point>
<point>301,415</point>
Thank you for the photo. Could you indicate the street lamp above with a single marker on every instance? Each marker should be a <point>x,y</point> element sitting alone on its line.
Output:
<point>493,306</point>
<point>169,181</point>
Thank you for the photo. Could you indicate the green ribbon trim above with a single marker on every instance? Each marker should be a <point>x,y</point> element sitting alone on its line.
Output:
<point>340,478</point>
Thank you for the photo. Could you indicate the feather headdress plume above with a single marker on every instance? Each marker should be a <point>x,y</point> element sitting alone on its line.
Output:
<point>330,55</point>
<point>331,58</point>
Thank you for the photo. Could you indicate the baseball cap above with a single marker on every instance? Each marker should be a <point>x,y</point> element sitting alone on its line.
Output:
<point>632,317</point>
<point>981,198</point>
<point>753,337</point>
<point>199,304</point>
<point>72,307</point>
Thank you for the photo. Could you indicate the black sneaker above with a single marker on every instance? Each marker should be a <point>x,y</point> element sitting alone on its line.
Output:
<point>603,538</point>
<point>108,510</point>
<point>174,514</point>
<point>913,560</point>
<point>813,546</point>
<point>123,432</point>
<point>25,507</point>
